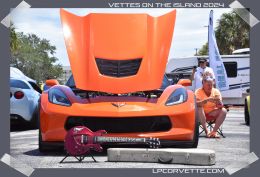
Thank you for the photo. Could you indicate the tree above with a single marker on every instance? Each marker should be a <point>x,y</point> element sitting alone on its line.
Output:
<point>204,50</point>
<point>232,33</point>
<point>35,57</point>
<point>13,38</point>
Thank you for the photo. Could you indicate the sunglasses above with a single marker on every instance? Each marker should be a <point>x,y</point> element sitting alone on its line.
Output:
<point>208,78</point>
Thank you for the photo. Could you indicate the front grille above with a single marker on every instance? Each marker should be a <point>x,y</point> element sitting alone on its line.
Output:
<point>118,68</point>
<point>121,125</point>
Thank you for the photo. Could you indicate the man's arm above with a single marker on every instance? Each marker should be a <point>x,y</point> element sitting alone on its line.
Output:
<point>193,73</point>
<point>200,103</point>
<point>218,97</point>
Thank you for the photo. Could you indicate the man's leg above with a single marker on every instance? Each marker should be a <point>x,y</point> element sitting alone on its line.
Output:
<point>220,117</point>
<point>202,119</point>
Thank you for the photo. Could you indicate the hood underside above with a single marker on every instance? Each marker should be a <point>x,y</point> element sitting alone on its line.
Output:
<point>118,53</point>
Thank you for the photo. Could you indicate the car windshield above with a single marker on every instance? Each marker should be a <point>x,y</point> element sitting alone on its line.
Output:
<point>18,84</point>
<point>71,83</point>
<point>165,83</point>
<point>35,87</point>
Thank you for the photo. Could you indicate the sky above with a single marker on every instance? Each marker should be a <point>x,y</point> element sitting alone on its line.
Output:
<point>190,27</point>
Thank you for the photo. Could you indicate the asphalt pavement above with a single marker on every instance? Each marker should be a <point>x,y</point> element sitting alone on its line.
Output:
<point>24,148</point>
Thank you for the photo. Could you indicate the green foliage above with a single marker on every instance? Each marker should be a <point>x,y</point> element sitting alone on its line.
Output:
<point>34,56</point>
<point>232,33</point>
<point>13,39</point>
<point>204,50</point>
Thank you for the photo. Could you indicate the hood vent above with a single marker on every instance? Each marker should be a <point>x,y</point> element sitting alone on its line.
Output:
<point>118,68</point>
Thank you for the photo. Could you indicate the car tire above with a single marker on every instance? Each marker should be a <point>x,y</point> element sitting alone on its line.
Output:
<point>42,148</point>
<point>247,121</point>
<point>35,119</point>
<point>41,145</point>
<point>196,130</point>
<point>45,146</point>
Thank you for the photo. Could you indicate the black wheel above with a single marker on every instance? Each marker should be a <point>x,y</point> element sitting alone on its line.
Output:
<point>42,148</point>
<point>196,130</point>
<point>247,120</point>
<point>47,146</point>
<point>41,145</point>
<point>35,119</point>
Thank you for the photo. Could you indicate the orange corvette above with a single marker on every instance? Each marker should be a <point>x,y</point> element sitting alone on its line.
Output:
<point>118,83</point>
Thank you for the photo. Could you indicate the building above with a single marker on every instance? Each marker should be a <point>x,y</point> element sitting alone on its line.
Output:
<point>66,74</point>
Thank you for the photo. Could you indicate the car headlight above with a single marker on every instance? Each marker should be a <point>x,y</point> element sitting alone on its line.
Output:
<point>56,96</point>
<point>179,96</point>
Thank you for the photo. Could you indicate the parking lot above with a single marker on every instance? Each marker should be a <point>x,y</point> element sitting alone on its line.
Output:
<point>24,147</point>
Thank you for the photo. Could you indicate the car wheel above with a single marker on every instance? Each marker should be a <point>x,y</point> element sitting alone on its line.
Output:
<point>35,119</point>
<point>196,130</point>
<point>41,145</point>
<point>47,147</point>
<point>42,148</point>
<point>246,113</point>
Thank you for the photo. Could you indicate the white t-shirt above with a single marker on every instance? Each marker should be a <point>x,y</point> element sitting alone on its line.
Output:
<point>198,76</point>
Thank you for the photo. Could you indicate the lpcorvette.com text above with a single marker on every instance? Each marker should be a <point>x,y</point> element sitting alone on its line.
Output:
<point>188,170</point>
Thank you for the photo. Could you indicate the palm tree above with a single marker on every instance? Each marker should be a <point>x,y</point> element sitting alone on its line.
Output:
<point>232,33</point>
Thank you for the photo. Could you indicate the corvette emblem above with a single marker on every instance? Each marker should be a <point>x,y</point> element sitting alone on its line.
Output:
<point>118,104</point>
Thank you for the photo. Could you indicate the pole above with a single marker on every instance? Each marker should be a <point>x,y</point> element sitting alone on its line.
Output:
<point>196,49</point>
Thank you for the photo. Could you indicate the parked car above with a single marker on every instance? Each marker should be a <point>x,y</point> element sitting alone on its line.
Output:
<point>24,96</point>
<point>118,82</point>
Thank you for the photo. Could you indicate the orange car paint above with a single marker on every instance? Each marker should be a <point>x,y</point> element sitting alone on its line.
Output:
<point>118,37</point>
<point>182,116</point>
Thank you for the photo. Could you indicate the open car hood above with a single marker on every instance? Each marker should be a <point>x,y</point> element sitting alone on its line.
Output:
<point>118,53</point>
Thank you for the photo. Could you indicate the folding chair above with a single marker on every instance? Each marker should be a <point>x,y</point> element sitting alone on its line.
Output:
<point>210,122</point>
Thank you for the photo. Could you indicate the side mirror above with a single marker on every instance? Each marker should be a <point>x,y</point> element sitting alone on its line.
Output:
<point>185,82</point>
<point>51,82</point>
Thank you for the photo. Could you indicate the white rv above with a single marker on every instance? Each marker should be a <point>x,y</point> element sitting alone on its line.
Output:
<point>238,72</point>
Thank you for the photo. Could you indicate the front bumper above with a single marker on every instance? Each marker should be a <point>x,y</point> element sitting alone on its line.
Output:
<point>179,125</point>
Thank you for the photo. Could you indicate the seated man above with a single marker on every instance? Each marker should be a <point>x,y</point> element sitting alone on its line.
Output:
<point>210,105</point>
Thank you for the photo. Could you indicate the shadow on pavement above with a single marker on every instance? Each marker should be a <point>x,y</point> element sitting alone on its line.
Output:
<point>60,153</point>
<point>20,126</point>
<point>36,152</point>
